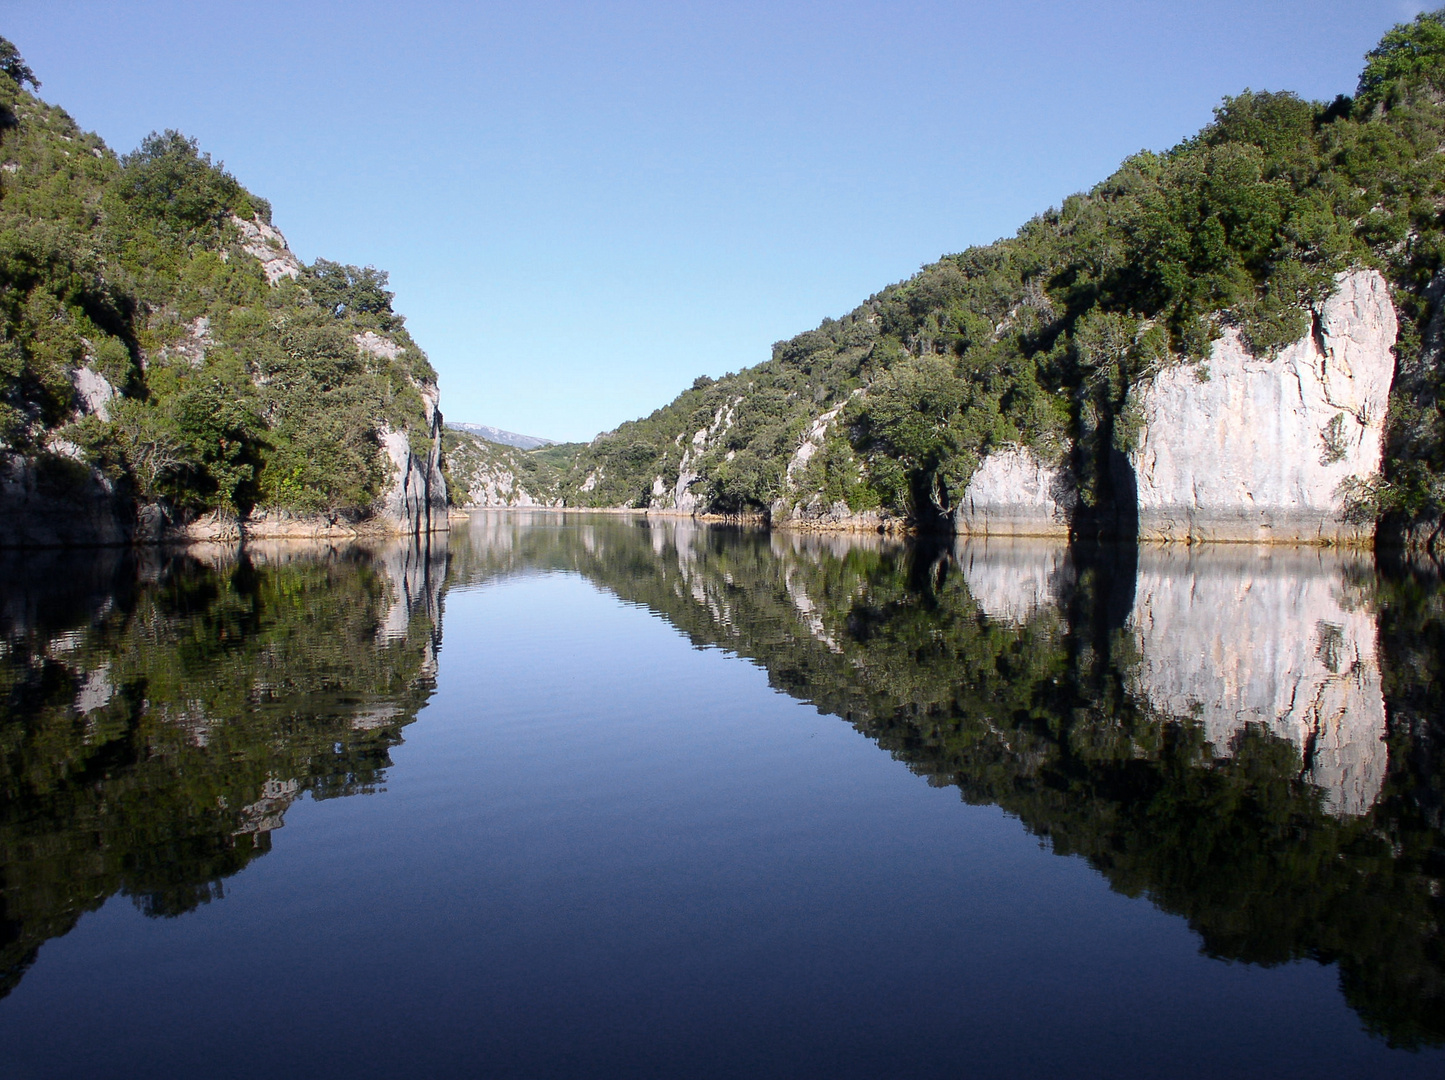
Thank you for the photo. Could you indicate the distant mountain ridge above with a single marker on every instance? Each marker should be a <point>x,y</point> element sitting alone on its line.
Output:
<point>506,438</point>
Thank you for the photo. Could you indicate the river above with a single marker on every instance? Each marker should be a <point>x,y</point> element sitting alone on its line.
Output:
<point>563,796</point>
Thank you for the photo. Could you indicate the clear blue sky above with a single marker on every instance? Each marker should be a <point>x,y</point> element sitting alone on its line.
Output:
<point>584,205</point>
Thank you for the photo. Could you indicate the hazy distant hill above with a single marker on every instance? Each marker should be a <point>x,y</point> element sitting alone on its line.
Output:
<point>506,438</point>
<point>485,472</point>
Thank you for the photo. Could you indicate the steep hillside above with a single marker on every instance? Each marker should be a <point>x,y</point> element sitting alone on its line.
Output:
<point>164,356</point>
<point>1039,353</point>
<point>481,472</point>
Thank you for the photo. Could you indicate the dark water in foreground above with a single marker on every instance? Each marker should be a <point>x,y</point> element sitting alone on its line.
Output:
<point>609,798</point>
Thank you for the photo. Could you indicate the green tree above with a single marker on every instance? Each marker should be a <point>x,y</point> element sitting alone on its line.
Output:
<point>14,65</point>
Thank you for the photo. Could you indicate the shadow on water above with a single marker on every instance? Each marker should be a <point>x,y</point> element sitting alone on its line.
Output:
<point>1250,738</point>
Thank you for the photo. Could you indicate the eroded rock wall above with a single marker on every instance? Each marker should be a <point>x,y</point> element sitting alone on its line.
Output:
<point>1253,449</point>
<point>416,500</point>
<point>1016,493</point>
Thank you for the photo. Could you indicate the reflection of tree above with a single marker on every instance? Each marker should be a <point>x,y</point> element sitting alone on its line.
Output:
<point>159,718</point>
<point>1042,714</point>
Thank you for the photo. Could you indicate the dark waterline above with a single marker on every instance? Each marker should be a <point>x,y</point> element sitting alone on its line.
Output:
<point>674,801</point>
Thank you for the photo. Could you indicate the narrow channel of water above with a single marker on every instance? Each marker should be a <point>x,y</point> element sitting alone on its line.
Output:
<point>565,796</point>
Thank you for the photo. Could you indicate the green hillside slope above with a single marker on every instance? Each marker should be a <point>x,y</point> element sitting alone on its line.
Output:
<point>1037,339</point>
<point>160,347</point>
<point>480,472</point>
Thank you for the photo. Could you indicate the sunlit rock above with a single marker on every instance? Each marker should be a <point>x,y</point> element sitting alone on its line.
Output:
<point>1014,492</point>
<point>266,243</point>
<point>1252,448</point>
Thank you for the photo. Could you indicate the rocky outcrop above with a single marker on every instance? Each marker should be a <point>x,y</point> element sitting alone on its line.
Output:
<point>481,473</point>
<point>93,391</point>
<point>1013,492</point>
<point>498,486</point>
<point>680,498</point>
<point>833,517</point>
<point>799,508</point>
<point>1272,639</point>
<point>265,242</point>
<point>1245,448</point>
<point>416,500</point>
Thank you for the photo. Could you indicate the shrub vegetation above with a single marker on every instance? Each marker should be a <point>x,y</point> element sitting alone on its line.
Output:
<point>231,393</point>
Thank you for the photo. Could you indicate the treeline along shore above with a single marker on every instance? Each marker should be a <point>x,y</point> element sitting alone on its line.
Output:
<point>1236,339</point>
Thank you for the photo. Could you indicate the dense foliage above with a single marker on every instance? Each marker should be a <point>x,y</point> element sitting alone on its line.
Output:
<point>1037,339</point>
<point>229,392</point>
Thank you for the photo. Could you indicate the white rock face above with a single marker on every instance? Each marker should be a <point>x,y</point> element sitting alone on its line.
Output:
<point>93,390</point>
<point>1267,637</point>
<point>1014,493</point>
<point>373,343</point>
<point>500,487</point>
<point>485,474</point>
<point>191,348</point>
<point>416,501</point>
<point>681,498</point>
<point>1258,451</point>
<point>267,244</point>
<point>812,442</point>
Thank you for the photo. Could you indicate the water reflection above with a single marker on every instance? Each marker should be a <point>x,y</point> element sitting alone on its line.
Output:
<point>163,710</point>
<point>1250,738</point>
<point>1285,641</point>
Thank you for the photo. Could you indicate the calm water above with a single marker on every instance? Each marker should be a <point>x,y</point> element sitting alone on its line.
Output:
<point>569,797</point>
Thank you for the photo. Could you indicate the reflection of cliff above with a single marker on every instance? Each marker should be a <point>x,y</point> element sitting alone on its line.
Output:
<point>1277,639</point>
<point>1152,732</point>
<point>162,713</point>
<point>1014,579</point>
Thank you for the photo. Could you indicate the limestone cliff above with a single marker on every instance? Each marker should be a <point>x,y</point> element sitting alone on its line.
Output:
<point>1258,448</point>
<point>1237,448</point>
<point>482,473</point>
<point>415,501</point>
<point>1015,493</point>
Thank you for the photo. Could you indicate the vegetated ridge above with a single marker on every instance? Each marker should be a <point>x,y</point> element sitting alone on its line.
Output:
<point>482,472</point>
<point>164,357</point>
<point>1042,342</point>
